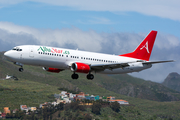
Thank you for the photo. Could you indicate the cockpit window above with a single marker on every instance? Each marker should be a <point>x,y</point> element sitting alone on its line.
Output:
<point>17,49</point>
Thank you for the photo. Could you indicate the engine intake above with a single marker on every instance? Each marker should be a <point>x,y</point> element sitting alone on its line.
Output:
<point>55,70</point>
<point>80,67</point>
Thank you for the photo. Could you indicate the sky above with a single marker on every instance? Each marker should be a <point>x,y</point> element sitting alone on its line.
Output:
<point>105,26</point>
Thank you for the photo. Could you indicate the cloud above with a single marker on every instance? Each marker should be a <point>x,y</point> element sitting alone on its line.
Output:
<point>166,47</point>
<point>161,8</point>
<point>59,37</point>
<point>96,20</point>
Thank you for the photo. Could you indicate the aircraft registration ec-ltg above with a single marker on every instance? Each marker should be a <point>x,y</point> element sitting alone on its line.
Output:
<point>58,59</point>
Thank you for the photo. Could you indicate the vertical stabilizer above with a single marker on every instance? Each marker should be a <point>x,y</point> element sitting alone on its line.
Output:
<point>143,51</point>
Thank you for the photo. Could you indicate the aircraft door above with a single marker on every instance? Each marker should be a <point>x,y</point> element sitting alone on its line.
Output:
<point>31,52</point>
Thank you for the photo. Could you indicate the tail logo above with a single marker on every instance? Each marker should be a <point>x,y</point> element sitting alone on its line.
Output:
<point>145,46</point>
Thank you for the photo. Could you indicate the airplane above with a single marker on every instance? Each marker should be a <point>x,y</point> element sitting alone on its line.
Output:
<point>54,59</point>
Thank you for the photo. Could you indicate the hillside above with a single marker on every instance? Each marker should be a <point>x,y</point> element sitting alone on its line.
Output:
<point>135,87</point>
<point>36,86</point>
<point>172,81</point>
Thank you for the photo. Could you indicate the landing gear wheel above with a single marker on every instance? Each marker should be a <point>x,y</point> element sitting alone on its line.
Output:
<point>74,76</point>
<point>90,76</point>
<point>21,69</point>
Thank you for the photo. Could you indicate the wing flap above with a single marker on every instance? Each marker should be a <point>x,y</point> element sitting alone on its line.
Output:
<point>108,66</point>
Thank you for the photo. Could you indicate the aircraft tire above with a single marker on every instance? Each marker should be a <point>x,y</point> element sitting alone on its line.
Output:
<point>74,76</point>
<point>21,69</point>
<point>90,76</point>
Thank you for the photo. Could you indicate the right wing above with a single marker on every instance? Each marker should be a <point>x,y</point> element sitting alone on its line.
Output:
<point>108,66</point>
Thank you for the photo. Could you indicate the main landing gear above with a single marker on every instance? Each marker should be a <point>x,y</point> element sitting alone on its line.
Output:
<point>76,76</point>
<point>90,76</point>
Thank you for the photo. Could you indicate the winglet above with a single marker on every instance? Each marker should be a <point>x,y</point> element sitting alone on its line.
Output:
<point>143,51</point>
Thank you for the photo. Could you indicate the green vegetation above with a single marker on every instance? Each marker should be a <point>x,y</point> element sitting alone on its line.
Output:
<point>35,86</point>
<point>25,92</point>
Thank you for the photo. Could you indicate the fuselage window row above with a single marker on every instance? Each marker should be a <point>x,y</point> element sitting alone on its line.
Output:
<point>76,57</point>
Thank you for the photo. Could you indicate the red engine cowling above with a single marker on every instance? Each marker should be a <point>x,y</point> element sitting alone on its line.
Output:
<point>80,67</point>
<point>55,70</point>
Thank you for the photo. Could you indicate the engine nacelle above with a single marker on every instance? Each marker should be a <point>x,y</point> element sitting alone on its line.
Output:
<point>55,70</point>
<point>80,67</point>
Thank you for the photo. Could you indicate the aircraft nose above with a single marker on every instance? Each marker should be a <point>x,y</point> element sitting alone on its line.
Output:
<point>7,54</point>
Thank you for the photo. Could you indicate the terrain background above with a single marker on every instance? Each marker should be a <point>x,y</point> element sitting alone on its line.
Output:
<point>35,86</point>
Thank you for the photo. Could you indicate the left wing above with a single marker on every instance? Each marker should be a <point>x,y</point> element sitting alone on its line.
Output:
<point>99,67</point>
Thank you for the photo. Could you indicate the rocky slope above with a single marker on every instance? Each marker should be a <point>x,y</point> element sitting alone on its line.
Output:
<point>172,81</point>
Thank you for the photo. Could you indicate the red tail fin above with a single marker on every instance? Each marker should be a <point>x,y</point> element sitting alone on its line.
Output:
<point>143,51</point>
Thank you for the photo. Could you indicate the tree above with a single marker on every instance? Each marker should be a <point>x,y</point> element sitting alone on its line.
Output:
<point>115,106</point>
<point>45,113</point>
<point>59,114</point>
<point>75,106</point>
<point>87,117</point>
<point>96,108</point>
<point>19,114</point>
<point>60,106</point>
<point>9,115</point>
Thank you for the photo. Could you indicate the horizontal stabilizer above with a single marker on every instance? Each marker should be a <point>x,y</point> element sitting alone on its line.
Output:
<point>154,62</point>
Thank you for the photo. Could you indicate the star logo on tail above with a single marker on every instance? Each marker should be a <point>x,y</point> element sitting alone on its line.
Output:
<point>145,46</point>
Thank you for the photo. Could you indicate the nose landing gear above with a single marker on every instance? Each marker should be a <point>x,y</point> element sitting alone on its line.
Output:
<point>21,69</point>
<point>19,64</point>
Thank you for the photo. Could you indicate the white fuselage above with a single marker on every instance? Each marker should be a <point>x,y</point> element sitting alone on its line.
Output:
<point>63,58</point>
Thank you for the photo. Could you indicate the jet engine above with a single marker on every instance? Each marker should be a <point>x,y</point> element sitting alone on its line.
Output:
<point>80,67</point>
<point>55,70</point>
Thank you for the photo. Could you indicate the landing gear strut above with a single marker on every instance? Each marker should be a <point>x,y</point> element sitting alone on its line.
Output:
<point>90,76</point>
<point>19,64</point>
<point>74,76</point>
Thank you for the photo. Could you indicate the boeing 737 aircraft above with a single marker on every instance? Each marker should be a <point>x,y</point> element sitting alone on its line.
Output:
<point>58,59</point>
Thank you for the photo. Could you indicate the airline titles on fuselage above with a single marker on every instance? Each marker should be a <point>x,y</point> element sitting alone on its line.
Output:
<point>58,52</point>
<point>53,50</point>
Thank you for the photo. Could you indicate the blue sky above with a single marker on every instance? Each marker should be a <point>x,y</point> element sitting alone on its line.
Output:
<point>43,15</point>
<point>106,26</point>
